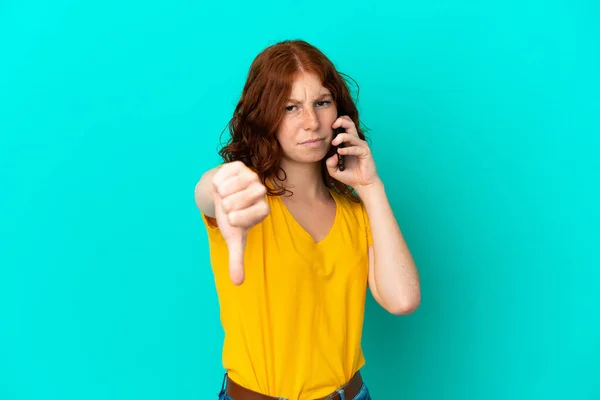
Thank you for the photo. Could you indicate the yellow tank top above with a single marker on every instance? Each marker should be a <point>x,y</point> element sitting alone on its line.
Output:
<point>293,328</point>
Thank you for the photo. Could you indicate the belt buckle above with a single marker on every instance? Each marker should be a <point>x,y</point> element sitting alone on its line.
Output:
<point>332,396</point>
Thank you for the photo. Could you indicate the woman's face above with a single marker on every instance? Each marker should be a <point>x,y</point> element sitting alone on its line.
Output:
<point>305,132</point>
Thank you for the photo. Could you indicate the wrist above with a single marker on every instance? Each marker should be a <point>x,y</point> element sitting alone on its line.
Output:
<point>373,189</point>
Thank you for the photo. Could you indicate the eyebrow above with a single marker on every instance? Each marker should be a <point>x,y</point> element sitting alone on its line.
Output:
<point>318,98</point>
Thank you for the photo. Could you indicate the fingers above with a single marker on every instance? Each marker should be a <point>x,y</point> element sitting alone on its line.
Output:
<point>241,195</point>
<point>236,246</point>
<point>332,165</point>
<point>244,198</point>
<point>348,139</point>
<point>248,216</point>
<point>225,171</point>
<point>232,177</point>
<point>358,151</point>
<point>345,122</point>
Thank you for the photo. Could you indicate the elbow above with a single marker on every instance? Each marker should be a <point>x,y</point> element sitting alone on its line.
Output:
<point>405,306</point>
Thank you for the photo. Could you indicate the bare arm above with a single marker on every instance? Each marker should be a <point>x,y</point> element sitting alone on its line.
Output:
<point>393,276</point>
<point>203,195</point>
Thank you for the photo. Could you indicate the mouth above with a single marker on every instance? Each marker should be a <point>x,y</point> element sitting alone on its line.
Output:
<point>312,141</point>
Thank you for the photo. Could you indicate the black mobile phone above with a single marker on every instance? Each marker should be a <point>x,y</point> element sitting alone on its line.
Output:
<point>340,157</point>
<point>334,149</point>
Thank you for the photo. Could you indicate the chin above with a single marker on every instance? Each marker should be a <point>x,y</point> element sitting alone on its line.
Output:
<point>311,161</point>
<point>315,159</point>
<point>318,157</point>
<point>307,156</point>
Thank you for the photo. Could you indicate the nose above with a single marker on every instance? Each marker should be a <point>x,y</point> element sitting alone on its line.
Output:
<point>311,122</point>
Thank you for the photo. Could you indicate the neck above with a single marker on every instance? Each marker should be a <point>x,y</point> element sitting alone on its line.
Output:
<point>304,180</point>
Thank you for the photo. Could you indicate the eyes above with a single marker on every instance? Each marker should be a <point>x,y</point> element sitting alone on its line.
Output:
<point>320,103</point>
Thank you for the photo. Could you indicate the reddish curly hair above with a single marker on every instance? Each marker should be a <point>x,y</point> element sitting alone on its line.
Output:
<point>261,108</point>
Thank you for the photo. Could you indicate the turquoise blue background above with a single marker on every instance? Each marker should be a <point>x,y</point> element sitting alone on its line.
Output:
<point>484,122</point>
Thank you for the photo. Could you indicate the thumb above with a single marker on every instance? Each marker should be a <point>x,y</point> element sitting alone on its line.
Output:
<point>332,166</point>
<point>236,245</point>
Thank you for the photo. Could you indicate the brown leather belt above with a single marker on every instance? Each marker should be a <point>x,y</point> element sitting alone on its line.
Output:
<point>350,390</point>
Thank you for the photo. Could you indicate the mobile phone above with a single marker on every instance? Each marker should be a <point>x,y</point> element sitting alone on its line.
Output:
<point>340,157</point>
<point>334,149</point>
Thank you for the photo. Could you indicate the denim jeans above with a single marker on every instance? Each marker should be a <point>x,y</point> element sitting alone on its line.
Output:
<point>363,393</point>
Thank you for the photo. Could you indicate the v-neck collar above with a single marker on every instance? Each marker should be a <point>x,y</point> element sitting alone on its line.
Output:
<point>304,231</point>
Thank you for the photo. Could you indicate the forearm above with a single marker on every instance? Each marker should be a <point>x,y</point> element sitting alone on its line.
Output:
<point>395,274</point>
<point>202,193</point>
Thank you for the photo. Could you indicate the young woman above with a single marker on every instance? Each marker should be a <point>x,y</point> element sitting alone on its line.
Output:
<point>296,238</point>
